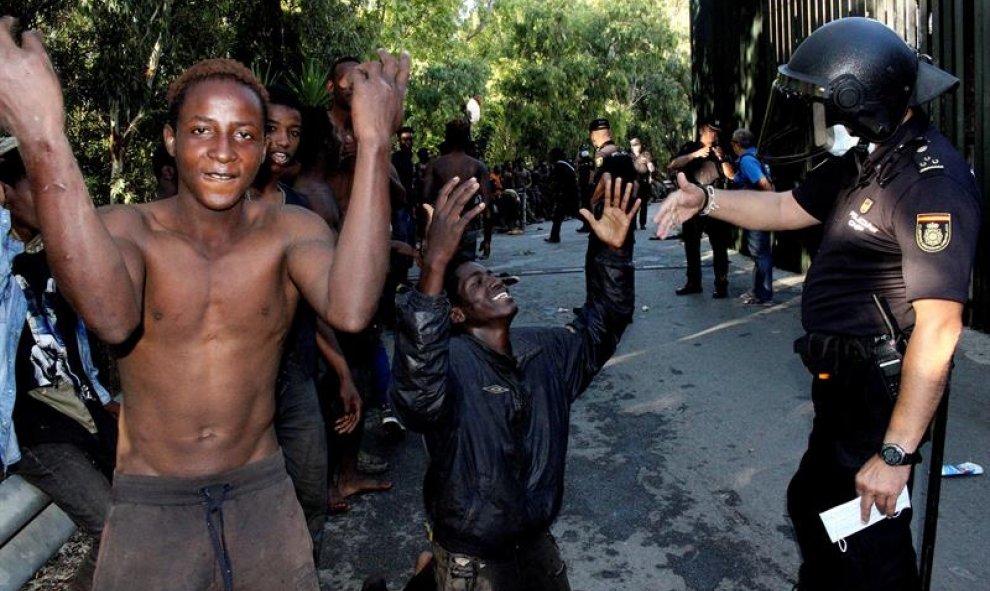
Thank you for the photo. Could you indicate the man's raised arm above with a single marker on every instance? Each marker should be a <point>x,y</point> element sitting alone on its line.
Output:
<point>610,280</point>
<point>362,254</point>
<point>753,210</point>
<point>422,336</point>
<point>88,263</point>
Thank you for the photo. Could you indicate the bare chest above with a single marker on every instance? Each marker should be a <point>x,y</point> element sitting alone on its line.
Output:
<point>241,292</point>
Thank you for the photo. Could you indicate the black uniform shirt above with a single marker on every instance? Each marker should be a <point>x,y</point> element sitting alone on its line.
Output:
<point>703,171</point>
<point>906,231</point>
<point>563,185</point>
<point>602,154</point>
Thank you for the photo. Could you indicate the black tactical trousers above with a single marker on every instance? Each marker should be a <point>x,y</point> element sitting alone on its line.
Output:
<point>852,409</point>
<point>719,234</point>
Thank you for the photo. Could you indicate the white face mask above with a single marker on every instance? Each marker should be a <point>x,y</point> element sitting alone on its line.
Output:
<point>840,140</point>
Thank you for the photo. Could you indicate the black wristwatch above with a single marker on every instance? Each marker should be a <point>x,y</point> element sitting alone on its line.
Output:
<point>894,455</point>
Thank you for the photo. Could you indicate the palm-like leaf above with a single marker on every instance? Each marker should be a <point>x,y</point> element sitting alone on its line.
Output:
<point>310,84</point>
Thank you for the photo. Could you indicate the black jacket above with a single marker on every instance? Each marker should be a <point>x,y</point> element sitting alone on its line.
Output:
<point>496,426</point>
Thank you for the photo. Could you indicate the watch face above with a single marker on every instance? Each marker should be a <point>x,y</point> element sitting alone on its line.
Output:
<point>891,455</point>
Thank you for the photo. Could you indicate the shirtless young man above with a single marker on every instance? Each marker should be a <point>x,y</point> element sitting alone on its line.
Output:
<point>198,291</point>
<point>456,163</point>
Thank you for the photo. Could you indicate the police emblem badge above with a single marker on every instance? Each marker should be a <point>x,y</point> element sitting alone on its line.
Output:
<point>866,205</point>
<point>933,231</point>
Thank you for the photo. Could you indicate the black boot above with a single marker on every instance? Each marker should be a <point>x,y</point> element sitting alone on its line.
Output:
<point>721,290</point>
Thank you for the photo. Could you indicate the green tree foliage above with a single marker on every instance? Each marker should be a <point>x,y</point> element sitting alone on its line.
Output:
<point>543,69</point>
<point>561,63</point>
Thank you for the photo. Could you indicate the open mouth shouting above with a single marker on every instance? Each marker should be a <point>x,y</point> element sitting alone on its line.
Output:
<point>502,295</point>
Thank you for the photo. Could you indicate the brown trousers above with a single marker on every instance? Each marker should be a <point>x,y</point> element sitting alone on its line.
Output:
<point>242,529</point>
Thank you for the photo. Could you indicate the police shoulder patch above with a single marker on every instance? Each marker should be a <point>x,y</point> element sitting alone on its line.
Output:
<point>933,231</point>
<point>495,389</point>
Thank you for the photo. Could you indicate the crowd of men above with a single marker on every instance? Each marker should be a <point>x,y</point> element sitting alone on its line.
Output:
<point>265,272</point>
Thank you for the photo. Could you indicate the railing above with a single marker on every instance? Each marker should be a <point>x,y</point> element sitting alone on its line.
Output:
<point>32,529</point>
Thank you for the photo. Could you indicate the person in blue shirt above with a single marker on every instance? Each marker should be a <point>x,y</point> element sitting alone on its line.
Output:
<point>13,306</point>
<point>752,174</point>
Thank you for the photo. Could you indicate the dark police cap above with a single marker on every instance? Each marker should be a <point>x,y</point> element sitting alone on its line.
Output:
<point>600,123</point>
<point>711,122</point>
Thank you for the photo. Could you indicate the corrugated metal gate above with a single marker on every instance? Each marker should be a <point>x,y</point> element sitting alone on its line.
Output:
<point>738,45</point>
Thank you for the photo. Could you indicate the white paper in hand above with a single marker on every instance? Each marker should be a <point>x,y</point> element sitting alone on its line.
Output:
<point>843,520</point>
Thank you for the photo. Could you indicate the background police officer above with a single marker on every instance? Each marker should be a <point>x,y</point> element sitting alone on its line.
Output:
<point>703,162</point>
<point>899,240</point>
<point>609,157</point>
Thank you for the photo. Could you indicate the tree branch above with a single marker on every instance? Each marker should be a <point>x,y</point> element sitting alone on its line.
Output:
<point>484,13</point>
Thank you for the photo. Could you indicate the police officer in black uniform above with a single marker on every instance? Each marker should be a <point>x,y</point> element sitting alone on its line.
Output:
<point>600,133</point>
<point>703,162</point>
<point>585,172</point>
<point>609,157</point>
<point>884,296</point>
<point>564,192</point>
<point>643,161</point>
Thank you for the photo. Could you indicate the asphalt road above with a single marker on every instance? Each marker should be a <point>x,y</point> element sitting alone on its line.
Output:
<point>681,450</point>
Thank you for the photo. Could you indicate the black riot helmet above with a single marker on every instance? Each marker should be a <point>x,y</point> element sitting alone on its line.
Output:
<point>853,72</point>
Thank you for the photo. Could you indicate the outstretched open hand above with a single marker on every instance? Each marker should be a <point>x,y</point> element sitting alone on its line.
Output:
<point>614,224</point>
<point>446,221</point>
<point>379,93</point>
<point>30,94</point>
<point>679,206</point>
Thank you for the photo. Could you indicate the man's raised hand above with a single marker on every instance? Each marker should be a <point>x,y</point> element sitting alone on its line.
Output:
<point>446,222</point>
<point>614,224</point>
<point>379,94</point>
<point>679,206</point>
<point>30,94</point>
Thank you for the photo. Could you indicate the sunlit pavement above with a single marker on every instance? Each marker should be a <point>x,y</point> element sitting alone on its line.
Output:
<point>681,450</point>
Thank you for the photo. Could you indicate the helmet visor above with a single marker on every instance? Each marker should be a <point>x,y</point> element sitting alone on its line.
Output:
<point>794,128</point>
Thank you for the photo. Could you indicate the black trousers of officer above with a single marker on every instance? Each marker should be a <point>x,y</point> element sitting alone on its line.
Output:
<point>852,410</point>
<point>645,195</point>
<point>563,206</point>
<point>719,235</point>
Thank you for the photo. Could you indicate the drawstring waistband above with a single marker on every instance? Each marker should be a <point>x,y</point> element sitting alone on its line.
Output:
<point>208,491</point>
<point>213,497</point>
